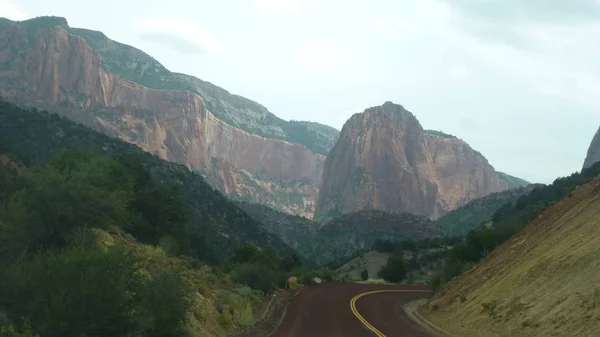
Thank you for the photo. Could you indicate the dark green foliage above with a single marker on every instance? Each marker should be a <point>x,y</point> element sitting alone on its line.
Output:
<point>10,183</point>
<point>258,276</point>
<point>364,275</point>
<point>87,291</point>
<point>394,270</point>
<point>76,189</point>
<point>166,299</point>
<point>290,262</point>
<point>34,137</point>
<point>388,246</point>
<point>340,237</point>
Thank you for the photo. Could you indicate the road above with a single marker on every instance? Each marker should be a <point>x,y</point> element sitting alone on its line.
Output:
<point>351,310</point>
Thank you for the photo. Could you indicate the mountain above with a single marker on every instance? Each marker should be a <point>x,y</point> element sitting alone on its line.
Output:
<point>34,137</point>
<point>122,92</point>
<point>593,154</point>
<point>541,282</point>
<point>339,237</point>
<point>385,160</point>
<point>513,182</point>
<point>479,211</point>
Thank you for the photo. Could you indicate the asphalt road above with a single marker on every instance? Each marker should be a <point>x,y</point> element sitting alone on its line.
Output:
<point>352,310</point>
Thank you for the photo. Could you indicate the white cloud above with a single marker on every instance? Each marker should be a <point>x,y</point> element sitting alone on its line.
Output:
<point>10,11</point>
<point>177,33</point>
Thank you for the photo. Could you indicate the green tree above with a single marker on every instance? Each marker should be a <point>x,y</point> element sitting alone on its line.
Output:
<point>76,189</point>
<point>394,270</point>
<point>81,291</point>
<point>166,300</point>
<point>364,275</point>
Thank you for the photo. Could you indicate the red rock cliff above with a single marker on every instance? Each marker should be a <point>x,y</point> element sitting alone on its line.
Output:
<point>59,71</point>
<point>385,160</point>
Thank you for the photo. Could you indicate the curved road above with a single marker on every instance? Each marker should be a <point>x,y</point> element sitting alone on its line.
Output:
<point>352,310</point>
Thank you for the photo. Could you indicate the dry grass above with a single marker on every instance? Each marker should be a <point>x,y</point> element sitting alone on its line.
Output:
<point>545,281</point>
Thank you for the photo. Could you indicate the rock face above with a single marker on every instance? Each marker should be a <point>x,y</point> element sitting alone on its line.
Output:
<point>385,160</point>
<point>593,154</point>
<point>122,92</point>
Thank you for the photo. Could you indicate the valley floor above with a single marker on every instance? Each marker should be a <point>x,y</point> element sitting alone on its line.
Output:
<point>545,281</point>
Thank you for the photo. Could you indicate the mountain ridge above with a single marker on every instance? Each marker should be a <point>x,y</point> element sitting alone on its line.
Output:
<point>55,70</point>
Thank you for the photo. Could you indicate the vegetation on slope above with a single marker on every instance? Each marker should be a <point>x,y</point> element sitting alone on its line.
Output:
<point>541,282</point>
<point>215,223</point>
<point>134,65</point>
<point>507,221</point>
<point>340,237</point>
<point>92,244</point>
<point>479,211</point>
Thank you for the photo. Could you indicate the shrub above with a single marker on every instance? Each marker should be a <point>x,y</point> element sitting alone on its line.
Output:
<point>394,270</point>
<point>80,291</point>
<point>166,300</point>
<point>257,276</point>
<point>364,275</point>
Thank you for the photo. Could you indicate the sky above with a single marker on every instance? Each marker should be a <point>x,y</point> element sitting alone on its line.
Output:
<point>518,80</point>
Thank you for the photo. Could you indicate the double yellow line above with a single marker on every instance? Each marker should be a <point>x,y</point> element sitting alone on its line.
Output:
<point>363,320</point>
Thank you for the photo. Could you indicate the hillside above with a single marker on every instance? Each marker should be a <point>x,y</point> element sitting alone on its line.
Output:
<point>292,229</point>
<point>541,282</point>
<point>122,92</point>
<point>34,137</point>
<point>479,211</point>
<point>385,160</point>
<point>340,237</point>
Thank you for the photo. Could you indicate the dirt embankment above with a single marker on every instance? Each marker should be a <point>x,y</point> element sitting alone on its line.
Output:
<point>545,281</point>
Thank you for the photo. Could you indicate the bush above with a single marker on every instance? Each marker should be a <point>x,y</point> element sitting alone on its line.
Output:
<point>257,276</point>
<point>394,270</point>
<point>166,299</point>
<point>80,291</point>
<point>86,290</point>
<point>364,275</point>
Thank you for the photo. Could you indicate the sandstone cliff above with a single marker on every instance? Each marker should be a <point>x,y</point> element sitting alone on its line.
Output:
<point>385,160</point>
<point>123,92</point>
<point>593,154</point>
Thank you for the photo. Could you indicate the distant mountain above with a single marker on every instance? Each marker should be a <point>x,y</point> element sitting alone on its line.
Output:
<point>34,136</point>
<point>385,160</point>
<point>593,154</point>
<point>513,182</point>
<point>122,92</point>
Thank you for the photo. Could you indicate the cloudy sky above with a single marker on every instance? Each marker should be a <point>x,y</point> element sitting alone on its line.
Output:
<point>517,79</point>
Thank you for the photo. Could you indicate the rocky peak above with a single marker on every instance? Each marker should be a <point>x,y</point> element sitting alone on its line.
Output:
<point>385,160</point>
<point>593,154</point>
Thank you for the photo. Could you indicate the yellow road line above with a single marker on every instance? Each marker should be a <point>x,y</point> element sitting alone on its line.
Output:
<point>363,320</point>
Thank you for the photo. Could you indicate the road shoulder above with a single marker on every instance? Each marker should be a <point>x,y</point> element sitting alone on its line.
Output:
<point>411,310</point>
